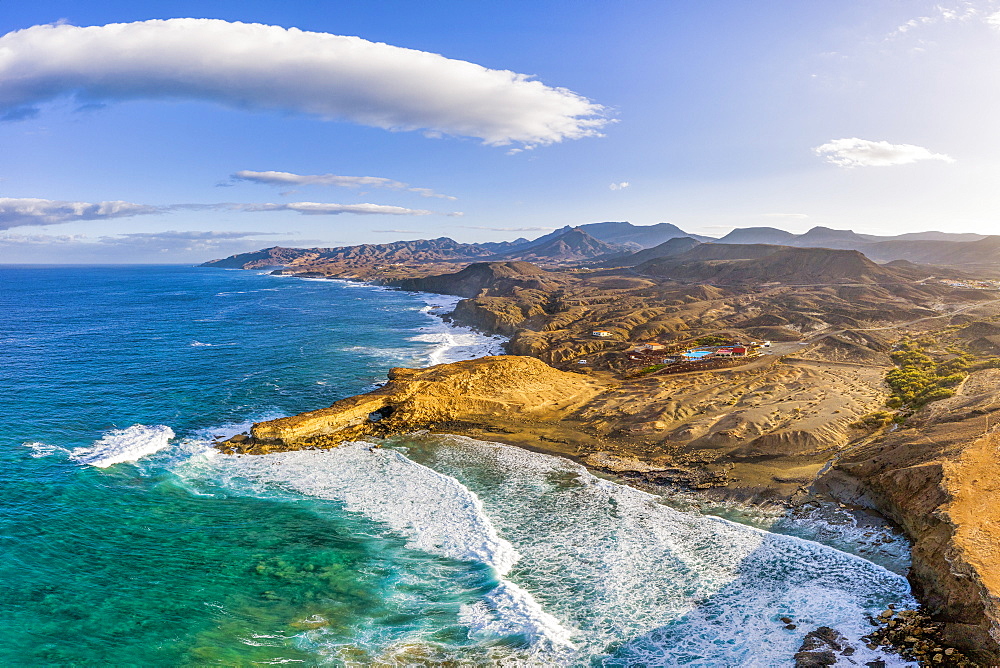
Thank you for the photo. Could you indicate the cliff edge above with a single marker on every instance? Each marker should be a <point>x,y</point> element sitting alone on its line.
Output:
<point>939,480</point>
<point>488,392</point>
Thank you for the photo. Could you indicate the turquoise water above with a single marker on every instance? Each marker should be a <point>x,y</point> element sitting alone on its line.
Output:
<point>698,353</point>
<point>125,539</point>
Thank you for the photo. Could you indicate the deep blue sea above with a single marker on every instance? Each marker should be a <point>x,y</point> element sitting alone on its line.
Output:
<point>126,539</point>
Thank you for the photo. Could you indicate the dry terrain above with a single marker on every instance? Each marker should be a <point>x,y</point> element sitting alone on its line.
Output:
<point>877,389</point>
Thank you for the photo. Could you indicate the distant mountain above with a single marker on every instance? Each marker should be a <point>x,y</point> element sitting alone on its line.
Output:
<point>732,251</point>
<point>482,276</point>
<point>276,256</point>
<point>963,251</point>
<point>610,242</point>
<point>980,255</point>
<point>503,246</point>
<point>624,234</point>
<point>644,236</point>
<point>934,236</point>
<point>825,237</point>
<point>758,235</point>
<point>421,250</point>
<point>572,245</point>
<point>668,248</point>
<point>758,263</point>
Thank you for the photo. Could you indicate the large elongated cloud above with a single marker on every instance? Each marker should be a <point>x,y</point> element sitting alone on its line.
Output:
<point>856,152</point>
<point>254,66</point>
<point>328,209</point>
<point>289,179</point>
<point>16,212</point>
<point>32,211</point>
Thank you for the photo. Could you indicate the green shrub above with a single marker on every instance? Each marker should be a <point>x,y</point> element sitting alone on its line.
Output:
<point>875,420</point>
<point>918,379</point>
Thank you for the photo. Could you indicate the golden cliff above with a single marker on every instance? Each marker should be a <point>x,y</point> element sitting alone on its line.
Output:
<point>939,478</point>
<point>491,393</point>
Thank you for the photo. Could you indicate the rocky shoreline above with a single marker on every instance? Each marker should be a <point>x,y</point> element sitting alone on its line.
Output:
<point>783,428</point>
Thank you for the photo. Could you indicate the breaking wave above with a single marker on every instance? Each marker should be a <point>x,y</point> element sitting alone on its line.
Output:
<point>124,445</point>
<point>453,343</point>
<point>643,583</point>
<point>434,512</point>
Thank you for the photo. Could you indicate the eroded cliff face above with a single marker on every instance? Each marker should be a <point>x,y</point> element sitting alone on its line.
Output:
<point>939,479</point>
<point>489,391</point>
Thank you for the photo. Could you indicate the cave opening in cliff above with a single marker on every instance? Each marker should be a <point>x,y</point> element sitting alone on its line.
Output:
<point>380,414</point>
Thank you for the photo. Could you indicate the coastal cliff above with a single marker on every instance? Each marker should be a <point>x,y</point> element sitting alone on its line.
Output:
<point>939,479</point>
<point>489,392</point>
<point>792,422</point>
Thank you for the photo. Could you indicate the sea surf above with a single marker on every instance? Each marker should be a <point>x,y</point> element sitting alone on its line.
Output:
<point>129,539</point>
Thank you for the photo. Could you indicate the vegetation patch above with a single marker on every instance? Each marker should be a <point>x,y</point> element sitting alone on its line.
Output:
<point>921,377</point>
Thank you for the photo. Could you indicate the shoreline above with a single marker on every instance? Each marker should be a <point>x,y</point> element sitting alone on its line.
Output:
<point>492,344</point>
<point>968,624</point>
<point>533,441</point>
<point>535,438</point>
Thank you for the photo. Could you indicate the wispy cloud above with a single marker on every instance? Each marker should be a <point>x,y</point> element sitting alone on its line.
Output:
<point>856,152</point>
<point>396,231</point>
<point>16,212</point>
<point>330,209</point>
<point>509,229</point>
<point>289,179</point>
<point>961,12</point>
<point>167,246</point>
<point>798,216</point>
<point>199,236</point>
<point>264,67</point>
<point>619,186</point>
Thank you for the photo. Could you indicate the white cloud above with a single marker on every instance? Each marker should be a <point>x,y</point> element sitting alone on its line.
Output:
<point>33,211</point>
<point>963,12</point>
<point>329,209</point>
<point>619,186</point>
<point>192,246</point>
<point>856,152</point>
<point>262,67</point>
<point>16,212</point>
<point>993,20</point>
<point>192,236</point>
<point>289,179</point>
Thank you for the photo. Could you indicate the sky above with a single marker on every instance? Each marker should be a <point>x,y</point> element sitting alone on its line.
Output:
<point>177,132</point>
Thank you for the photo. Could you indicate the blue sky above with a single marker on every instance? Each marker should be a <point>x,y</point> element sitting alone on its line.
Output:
<point>121,143</point>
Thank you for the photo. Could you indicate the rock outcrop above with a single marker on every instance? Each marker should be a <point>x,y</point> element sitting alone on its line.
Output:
<point>490,391</point>
<point>939,479</point>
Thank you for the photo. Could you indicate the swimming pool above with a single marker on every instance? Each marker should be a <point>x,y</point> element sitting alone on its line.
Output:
<point>698,353</point>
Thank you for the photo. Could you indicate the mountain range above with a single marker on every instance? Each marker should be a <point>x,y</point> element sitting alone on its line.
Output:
<point>622,244</point>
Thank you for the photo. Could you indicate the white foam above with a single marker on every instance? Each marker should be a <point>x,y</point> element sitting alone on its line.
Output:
<point>124,445</point>
<point>453,343</point>
<point>587,571</point>
<point>199,344</point>
<point>434,512</point>
<point>664,586</point>
<point>44,449</point>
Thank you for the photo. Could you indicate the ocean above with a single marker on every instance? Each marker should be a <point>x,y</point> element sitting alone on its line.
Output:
<point>126,539</point>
